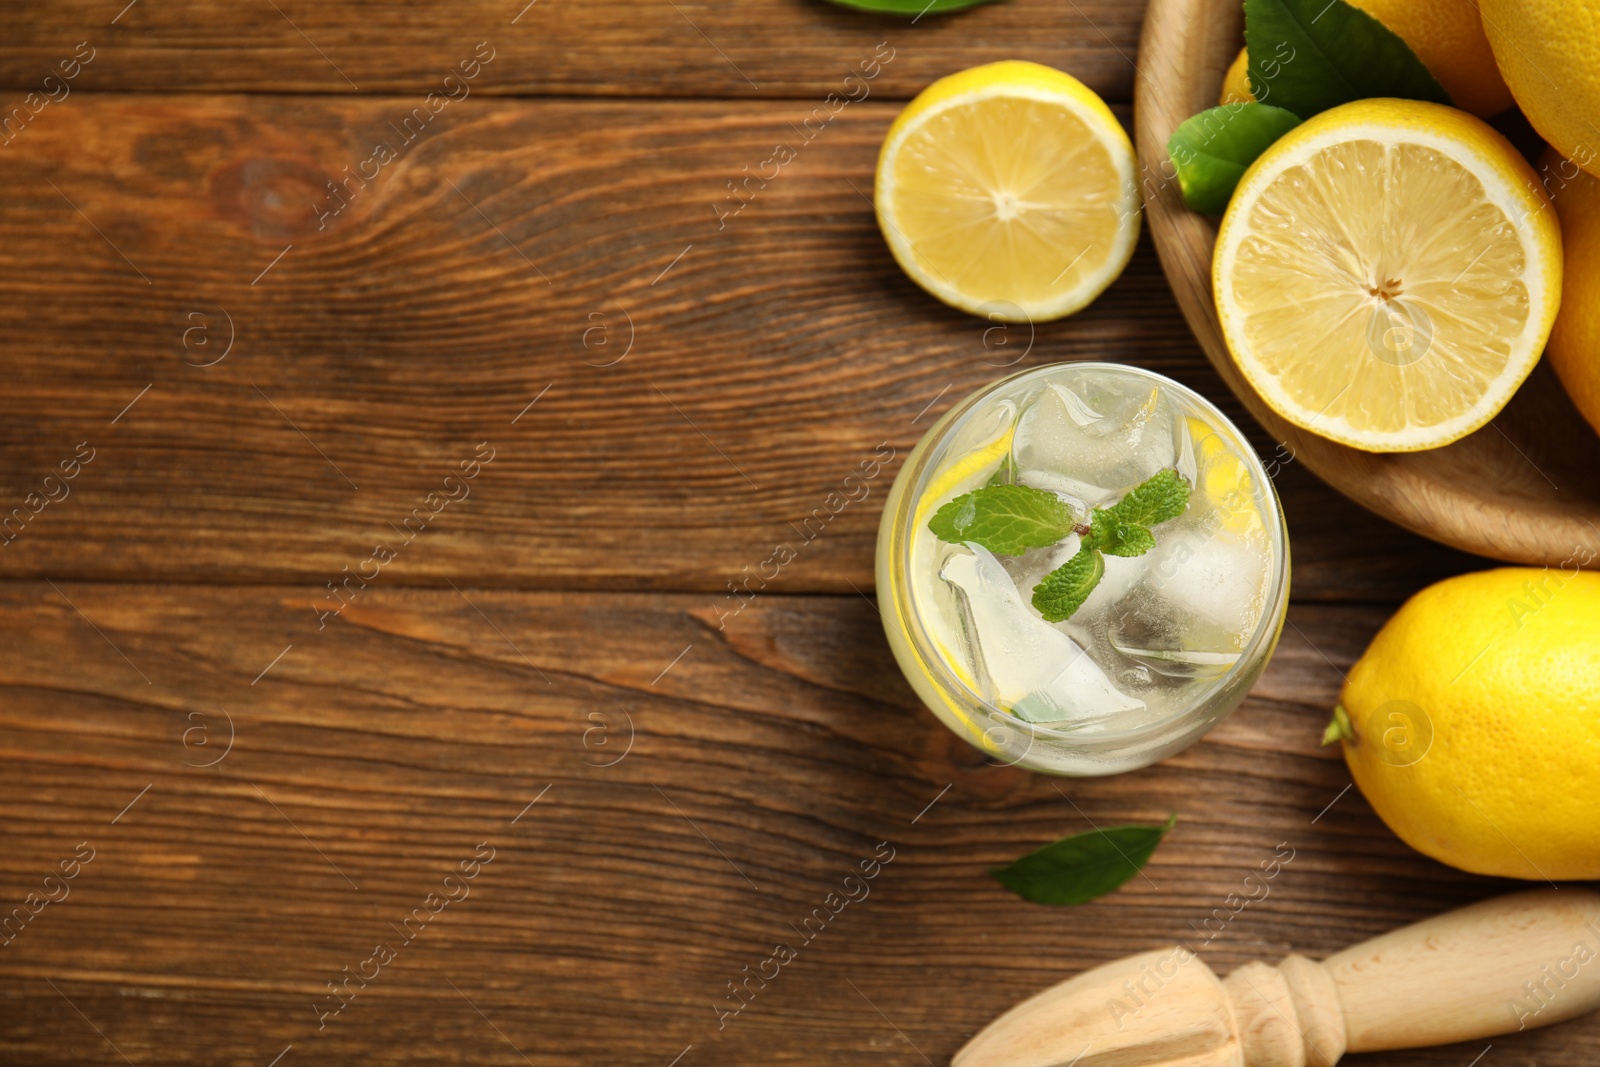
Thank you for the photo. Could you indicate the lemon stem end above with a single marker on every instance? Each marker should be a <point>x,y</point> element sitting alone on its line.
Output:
<point>1339,728</point>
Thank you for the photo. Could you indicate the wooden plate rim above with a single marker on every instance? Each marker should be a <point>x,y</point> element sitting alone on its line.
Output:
<point>1468,495</point>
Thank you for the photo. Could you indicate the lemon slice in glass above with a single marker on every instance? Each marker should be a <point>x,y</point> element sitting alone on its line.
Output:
<point>1009,191</point>
<point>1387,273</point>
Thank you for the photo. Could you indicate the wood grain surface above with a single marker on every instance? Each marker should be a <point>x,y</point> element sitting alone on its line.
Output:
<point>710,381</point>
<point>575,370</point>
<point>720,48</point>
<point>766,762</point>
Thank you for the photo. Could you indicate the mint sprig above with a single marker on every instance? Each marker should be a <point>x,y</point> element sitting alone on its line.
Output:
<point>1010,519</point>
<point>1120,530</point>
<point>1006,519</point>
<point>1115,536</point>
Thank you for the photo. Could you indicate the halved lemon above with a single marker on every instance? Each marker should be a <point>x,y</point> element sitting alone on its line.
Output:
<point>1387,273</point>
<point>1009,191</point>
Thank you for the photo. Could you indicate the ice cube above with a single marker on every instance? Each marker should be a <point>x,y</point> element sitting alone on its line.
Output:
<point>1178,663</point>
<point>946,627</point>
<point>1029,569</point>
<point>1114,444</point>
<point>1185,460</point>
<point>1202,592</point>
<point>1079,496</point>
<point>1023,662</point>
<point>1121,573</point>
<point>983,431</point>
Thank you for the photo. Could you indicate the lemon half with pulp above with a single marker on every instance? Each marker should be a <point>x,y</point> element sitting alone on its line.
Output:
<point>1009,191</point>
<point>1387,273</point>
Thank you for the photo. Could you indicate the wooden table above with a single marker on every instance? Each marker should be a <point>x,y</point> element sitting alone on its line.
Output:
<point>388,600</point>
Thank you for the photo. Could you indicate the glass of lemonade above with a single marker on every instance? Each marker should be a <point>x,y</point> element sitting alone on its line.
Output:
<point>1167,641</point>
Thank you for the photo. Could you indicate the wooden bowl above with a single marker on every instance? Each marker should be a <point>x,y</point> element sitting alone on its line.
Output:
<point>1525,488</point>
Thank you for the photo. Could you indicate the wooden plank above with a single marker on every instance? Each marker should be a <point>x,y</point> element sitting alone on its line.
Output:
<point>750,48</point>
<point>259,399</point>
<point>697,793</point>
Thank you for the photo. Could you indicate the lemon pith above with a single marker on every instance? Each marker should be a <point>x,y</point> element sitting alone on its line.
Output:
<point>1477,722</point>
<point>1387,273</point>
<point>1008,190</point>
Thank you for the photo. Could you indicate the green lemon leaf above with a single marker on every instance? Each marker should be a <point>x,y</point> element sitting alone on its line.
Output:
<point>1158,498</point>
<point>1063,590</point>
<point>1310,55</point>
<point>910,8</point>
<point>1212,150</point>
<point>1080,868</point>
<point>1006,519</point>
<point>1111,535</point>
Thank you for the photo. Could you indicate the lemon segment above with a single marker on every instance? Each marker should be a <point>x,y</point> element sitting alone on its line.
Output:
<point>1387,273</point>
<point>1009,191</point>
<point>1224,481</point>
<point>961,471</point>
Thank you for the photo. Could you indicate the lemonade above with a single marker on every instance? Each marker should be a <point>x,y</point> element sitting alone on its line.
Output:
<point>1125,578</point>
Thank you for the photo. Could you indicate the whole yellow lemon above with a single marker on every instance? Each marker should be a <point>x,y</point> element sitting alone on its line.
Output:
<point>1472,722</point>
<point>1574,346</point>
<point>1236,83</point>
<point>1447,35</point>
<point>1548,52</point>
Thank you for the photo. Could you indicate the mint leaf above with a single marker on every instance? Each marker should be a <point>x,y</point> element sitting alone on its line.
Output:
<point>1158,498</point>
<point>1310,55</point>
<point>1081,867</point>
<point>909,8</point>
<point>1063,590</point>
<point>1212,150</point>
<point>1114,537</point>
<point>1006,519</point>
